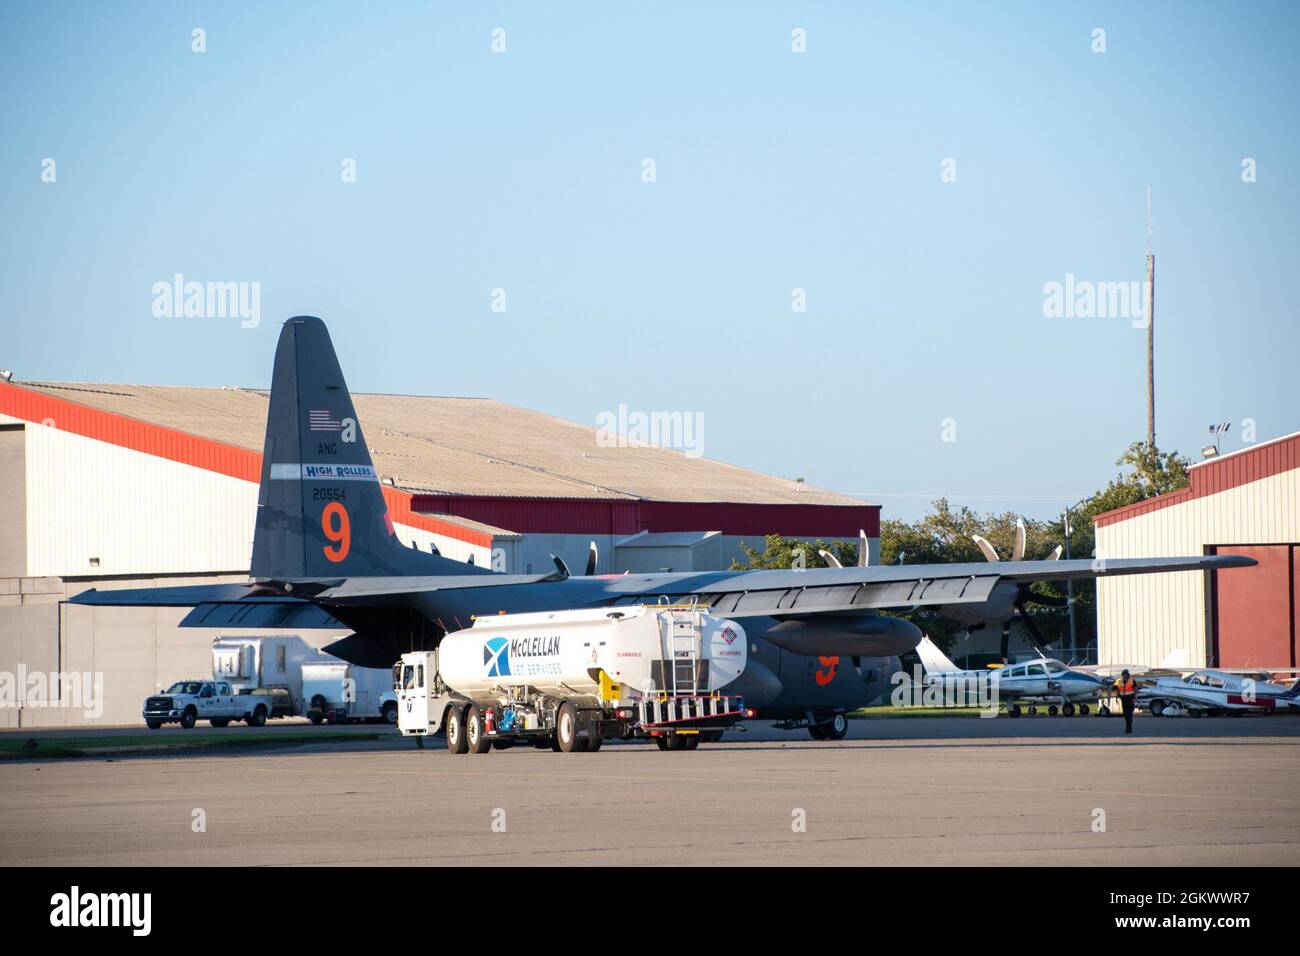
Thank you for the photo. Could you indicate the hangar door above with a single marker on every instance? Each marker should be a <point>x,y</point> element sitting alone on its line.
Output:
<point>1255,615</point>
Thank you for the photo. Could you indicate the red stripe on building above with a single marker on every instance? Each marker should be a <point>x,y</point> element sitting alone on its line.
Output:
<point>1219,474</point>
<point>186,449</point>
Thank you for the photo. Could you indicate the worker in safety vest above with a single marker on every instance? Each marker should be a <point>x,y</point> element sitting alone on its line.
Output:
<point>1126,687</point>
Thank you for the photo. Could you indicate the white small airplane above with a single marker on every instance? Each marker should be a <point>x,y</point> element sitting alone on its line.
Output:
<point>1213,692</point>
<point>1044,681</point>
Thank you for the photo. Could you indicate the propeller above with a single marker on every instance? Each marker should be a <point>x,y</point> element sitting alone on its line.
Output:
<point>592,556</point>
<point>560,566</point>
<point>1024,594</point>
<point>864,553</point>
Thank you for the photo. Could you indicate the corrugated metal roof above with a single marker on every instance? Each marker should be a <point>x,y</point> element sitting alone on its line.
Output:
<point>463,446</point>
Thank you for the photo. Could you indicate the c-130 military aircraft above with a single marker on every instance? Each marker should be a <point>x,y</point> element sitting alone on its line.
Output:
<point>819,645</point>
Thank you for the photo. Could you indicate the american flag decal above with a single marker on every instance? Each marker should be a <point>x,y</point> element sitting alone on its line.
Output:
<point>320,420</point>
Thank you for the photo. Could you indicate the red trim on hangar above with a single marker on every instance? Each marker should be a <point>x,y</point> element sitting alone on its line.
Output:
<point>1219,474</point>
<point>630,516</point>
<point>187,449</point>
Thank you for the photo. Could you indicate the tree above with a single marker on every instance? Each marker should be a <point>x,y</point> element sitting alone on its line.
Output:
<point>784,553</point>
<point>1153,473</point>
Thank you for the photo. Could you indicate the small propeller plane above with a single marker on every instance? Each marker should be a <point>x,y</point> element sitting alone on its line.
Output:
<point>1214,692</point>
<point>1044,681</point>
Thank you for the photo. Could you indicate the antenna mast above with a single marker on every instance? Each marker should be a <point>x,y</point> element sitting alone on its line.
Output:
<point>1151,332</point>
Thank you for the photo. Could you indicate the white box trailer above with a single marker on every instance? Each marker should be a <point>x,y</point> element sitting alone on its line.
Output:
<point>297,676</point>
<point>338,692</point>
<point>569,680</point>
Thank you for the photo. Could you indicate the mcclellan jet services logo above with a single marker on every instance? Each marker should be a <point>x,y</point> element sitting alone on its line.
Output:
<point>496,657</point>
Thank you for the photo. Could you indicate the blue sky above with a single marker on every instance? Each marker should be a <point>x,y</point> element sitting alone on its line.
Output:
<point>774,171</point>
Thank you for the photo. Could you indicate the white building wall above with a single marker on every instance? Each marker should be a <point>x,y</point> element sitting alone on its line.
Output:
<point>452,548</point>
<point>136,513</point>
<point>139,514</point>
<point>1142,618</point>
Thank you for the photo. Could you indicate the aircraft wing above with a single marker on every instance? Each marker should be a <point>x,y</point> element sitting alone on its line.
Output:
<point>832,590</point>
<point>183,596</point>
<point>738,593</point>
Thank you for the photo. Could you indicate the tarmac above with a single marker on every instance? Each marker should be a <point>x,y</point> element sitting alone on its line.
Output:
<point>924,790</point>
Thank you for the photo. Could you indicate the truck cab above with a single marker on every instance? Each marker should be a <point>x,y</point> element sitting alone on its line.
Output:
<point>411,677</point>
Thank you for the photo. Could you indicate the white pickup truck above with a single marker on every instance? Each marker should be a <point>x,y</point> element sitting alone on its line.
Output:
<point>189,701</point>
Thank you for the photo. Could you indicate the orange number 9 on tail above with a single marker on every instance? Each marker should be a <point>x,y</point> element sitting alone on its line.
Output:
<point>337,526</point>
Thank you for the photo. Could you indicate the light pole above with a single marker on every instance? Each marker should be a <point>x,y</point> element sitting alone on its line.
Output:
<point>1069,582</point>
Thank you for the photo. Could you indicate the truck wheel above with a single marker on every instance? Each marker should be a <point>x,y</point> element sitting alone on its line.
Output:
<point>675,742</point>
<point>390,713</point>
<point>315,718</point>
<point>476,737</point>
<point>153,724</point>
<point>456,731</point>
<point>219,722</point>
<point>189,718</point>
<point>692,742</point>
<point>662,742</point>
<point>593,744</point>
<point>817,731</point>
<point>566,729</point>
<point>258,717</point>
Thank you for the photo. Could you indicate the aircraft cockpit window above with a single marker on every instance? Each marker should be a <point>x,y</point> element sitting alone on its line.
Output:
<point>1055,667</point>
<point>1036,670</point>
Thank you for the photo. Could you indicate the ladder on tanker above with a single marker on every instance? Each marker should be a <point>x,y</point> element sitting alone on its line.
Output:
<point>682,652</point>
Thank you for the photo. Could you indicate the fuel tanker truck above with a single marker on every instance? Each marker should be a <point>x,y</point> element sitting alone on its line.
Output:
<point>569,680</point>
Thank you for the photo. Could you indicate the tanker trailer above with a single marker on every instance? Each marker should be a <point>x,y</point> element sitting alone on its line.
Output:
<point>569,680</point>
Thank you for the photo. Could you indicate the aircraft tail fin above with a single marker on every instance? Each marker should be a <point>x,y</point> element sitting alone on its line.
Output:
<point>320,508</point>
<point>935,661</point>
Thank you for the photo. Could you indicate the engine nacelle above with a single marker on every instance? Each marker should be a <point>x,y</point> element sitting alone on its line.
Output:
<point>857,635</point>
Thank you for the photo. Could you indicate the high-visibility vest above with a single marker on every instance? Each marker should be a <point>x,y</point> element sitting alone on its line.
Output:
<point>1126,687</point>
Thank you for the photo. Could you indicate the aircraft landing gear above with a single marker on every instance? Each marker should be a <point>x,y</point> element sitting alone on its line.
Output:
<point>1083,709</point>
<point>1013,710</point>
<point>836,728</point>
<point>1033,710</point>
<point>1067,709</point>
<point>1051,710</point>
